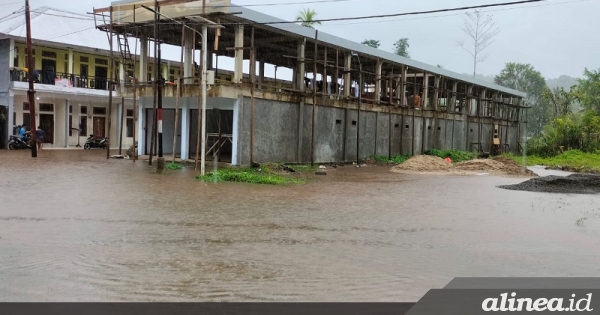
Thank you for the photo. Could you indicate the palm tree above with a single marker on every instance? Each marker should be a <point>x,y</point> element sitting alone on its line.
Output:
<point>307,17</point>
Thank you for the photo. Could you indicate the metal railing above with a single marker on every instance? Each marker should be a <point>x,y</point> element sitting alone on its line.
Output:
<point>61,79</point>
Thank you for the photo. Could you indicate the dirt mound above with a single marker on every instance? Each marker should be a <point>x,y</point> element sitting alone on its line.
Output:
<point>496,166</point>
<point>424,163</point>
<point>572,184</point>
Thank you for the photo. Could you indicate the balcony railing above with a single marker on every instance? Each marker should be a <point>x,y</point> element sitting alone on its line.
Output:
<point>61,79</point>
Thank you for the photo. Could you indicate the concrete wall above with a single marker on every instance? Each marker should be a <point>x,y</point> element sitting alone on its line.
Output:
<point>5,125</point>
<point>283,132</point>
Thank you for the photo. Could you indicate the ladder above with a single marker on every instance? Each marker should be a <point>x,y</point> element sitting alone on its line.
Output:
<point>126,57</point>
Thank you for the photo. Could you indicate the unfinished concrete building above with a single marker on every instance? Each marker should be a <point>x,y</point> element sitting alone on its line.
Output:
<point>342,101</point>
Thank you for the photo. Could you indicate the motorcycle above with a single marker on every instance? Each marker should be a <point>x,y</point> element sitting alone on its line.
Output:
<point>16,143</point>
<point>93,142</point>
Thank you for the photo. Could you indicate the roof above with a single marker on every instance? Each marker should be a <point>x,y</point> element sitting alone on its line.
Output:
<point>56,26</point>
<point>297,29</point>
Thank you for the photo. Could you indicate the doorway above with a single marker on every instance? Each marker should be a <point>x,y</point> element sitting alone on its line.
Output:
<point>99,127</point>
<point>48,71</point>
<point>101,78</point>
<point>47,123</point>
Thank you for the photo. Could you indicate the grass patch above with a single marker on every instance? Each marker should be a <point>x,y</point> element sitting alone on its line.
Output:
<point>573,160</point>
<point>397,159</point>
<point>248,176</point>
<point>455,155</point>
<point>174,166</point>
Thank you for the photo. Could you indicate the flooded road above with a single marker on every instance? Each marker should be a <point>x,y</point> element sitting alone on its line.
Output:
<point>77,227</point>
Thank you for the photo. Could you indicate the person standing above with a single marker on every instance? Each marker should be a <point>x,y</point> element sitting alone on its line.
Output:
<point>39,137</point>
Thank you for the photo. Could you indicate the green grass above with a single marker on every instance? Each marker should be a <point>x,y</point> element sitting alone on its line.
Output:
<point>174,166</point>
<point>455,155</point>
<point>249,176</point>
<point>573,160</point>
<point>398,159</point>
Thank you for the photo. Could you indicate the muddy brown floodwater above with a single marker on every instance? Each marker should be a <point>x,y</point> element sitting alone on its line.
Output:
<point>77,227</point>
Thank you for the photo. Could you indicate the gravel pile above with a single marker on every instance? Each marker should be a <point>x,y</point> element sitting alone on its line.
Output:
<point>424,163</point>
<point>433,164</point>
<point>572,184</point>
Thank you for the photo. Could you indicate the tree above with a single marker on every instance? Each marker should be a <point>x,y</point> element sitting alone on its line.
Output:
<point>481,31</point>
<point>401,47</point>
<point>524,78</point>
<point>588,91</point>
<point>560,101</point>
<point>371,43</point>
<point>307,17</point>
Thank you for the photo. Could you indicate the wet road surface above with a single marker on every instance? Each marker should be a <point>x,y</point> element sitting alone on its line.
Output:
<point>77,227</point>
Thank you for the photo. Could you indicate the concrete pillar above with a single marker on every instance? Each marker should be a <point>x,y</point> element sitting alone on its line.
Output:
<point>378,66</point>
<point>165,71</point>
<point>67,104</point>
<point>238,73</point>
<point>140,128</point>
<point>143,60</point>
<point>301,65</point>
<point>120,113</point>
<point>261,72</point>
<point>235,145</point>
<point>188,58</point>
<point>403,98</point>
<point>425,98</point>
<point>452,105</point>
<point>185,131</point>
<point>11,110</point>
<point>347,73</point>
<point>436,92</point>
<point>71,64</point>
<point>11,52</point>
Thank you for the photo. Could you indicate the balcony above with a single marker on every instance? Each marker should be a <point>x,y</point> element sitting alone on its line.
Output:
<point>68,80</point>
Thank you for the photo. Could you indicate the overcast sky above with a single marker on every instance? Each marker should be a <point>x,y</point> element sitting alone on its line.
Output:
<point>557,36</point>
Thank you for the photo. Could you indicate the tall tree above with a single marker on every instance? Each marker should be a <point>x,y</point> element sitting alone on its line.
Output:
<point>560,100</point>
<point>371,43</point>
<point>524,78</point>
<point>481,31</point>
<point>588,91</point>
<point>401,47</point>
<point>307,18</point>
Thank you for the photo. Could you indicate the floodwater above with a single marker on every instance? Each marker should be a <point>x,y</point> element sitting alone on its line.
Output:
<point>77,227</point>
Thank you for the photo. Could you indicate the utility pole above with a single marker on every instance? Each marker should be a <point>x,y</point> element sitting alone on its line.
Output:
<point>160,166</point>
<point>31,91</point>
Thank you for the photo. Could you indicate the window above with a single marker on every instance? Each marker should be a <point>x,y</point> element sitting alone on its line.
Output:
<point>70,125</point>
<point>99,111</point>
<point>48,54</point>
<point>16,58</point>
<point>130,127</point>
<point>130,113</point>
<point>103,62</point>
<point>83,125</point>
<point>70,109</point>
<point>26,119</point>
<point>25,106</point>
<point>83,110</point>
<point>46,107</point>
<point>84,59</point>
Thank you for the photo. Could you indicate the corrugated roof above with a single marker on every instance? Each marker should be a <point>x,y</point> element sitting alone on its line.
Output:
<point>301,31</point>
<point>57,26</point>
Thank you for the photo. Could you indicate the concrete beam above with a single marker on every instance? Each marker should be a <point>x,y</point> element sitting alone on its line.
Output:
<point>347,72</point>
<point>188,57</point>
<point>185,132</point>
<point>378,66</point>
<point>143,59</point>
<point>301,65</point>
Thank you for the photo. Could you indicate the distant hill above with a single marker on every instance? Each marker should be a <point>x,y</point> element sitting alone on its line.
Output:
<point>564,81</point>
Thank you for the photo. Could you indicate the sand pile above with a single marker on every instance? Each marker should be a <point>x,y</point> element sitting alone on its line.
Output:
<point>432,164</point>
<point>424,163</point>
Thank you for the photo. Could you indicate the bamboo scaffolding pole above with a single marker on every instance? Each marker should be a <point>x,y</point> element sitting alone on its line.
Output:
<point>177,97</point>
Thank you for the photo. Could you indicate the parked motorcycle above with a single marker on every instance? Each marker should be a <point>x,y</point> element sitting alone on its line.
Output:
<point>93,142</point>
<point>16,143</point>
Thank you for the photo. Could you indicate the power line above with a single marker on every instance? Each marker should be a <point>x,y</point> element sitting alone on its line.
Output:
<point>456,14</point>
<point>396,14</point>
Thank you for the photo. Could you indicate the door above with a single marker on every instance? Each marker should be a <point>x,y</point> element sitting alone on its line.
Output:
<point>101,78</point>
<point>47,123</point>
<point>48,71</point>
<point>83,76</point>
<point>99,127</point>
